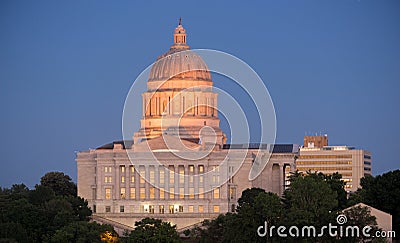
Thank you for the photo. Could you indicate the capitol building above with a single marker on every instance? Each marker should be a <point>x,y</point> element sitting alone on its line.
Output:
<point>178,166</point>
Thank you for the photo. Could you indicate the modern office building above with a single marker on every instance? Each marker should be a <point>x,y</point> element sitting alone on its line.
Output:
<point>351,163</point>
<point>178,167</point>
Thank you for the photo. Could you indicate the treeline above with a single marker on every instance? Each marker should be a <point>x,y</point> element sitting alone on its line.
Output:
<point>51,212</point>
<point>312,199</point>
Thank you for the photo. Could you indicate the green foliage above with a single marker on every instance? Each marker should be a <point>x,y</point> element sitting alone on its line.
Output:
<point>46,213</point>
<point>81,231</point>
<point>382,192</point>
<point>60,183</point>
<point>153,230</point>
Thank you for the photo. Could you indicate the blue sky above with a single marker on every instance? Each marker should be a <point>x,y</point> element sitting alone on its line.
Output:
<point>66,68</point>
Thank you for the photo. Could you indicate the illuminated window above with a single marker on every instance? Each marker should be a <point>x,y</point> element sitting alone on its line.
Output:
<point>151,209</point>
<point>161,209</point>
<point>108,179</point>
<point>216,193</point>
<point>191,168</point>
<point>216,209</point>
<point>142,193</point>
<point>181,193</point>
<point>190,179</point>
<point>190,208</point>
<point>201,179</point>
<point>172,193</point>
<point>133,179</point>
<point>132,169</point>
<point>142,181</point>
<point>151,172</point>
<point>201,193</point>
<point>133,193</point>
<point>171,208</point>
<point>162,176</point>
<point>216,168</point>
<point>152,192</point>
<point>107,169</point>
<point>122,193</point>
<point>142,173</point>
<point>180,209</point>
<point>191,193</point>
<point>201,208</point>
<point>201,168</point>
<point>232,193</point>
<point>122,168</point>
<point>122,179</point>
<point>181,175</point>
<point>162,193</point>
<point>171,174</point>
<point>108,193</point>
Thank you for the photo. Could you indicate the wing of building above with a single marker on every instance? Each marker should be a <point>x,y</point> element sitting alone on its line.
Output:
<point>177,166</point>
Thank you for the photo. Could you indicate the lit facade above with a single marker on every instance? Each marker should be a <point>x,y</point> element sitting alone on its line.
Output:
<point>155,175</point>
<point>351,163</point>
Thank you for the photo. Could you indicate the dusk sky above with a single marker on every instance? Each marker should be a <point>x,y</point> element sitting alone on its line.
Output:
<point>66,67</point>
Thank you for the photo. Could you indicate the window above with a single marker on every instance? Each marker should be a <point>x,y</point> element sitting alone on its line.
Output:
<point>151,172</point>
<point>191,193</point>
<point>132,169</point>
<point>108,209</point>
<point>201,193</point>
<point>122,193</point>
<point>122,168</point>
<point>180,209</point>
<point>162,193</point>
<point>108,179</point>
<point>142,194</point>
<point>181,193</point>
<point>171,208</point>
<point>190,208</point>
<point>107,169</point>
<point>94,208</point>
<point>181,175</point>
<point>162,176</point>
<point>216,193</point>
<point>133,179</point>
<point>171,174</point>
<point>201,209</point>
<point>191,168</point>
<point>201,179</point>
<point>216,209</point>
<point>121,209</point>
<point>151,209</point>
<point>152,190</point>
<point>141,181</point>
<point>171,193</point>
<point>201,168</point>
<point>161,209</point>
<point>108,193</point>
<point>133,193</point>
<point>233,207</point>
<point>122,179</point>
<point>232,193</point>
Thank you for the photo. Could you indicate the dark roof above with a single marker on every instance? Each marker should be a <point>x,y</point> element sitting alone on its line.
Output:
<point>276,148</point>
<point>125,144</point>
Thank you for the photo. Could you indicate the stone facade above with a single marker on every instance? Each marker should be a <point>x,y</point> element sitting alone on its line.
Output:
<point>178,166</point>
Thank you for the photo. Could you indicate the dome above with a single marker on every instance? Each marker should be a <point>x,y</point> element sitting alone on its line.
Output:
<point>179,60</point>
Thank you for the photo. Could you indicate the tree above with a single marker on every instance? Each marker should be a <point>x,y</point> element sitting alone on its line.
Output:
<point>309,201</point>
<point>153,230</point>
<point>361,217</point>
<point>60,183</point>
<point>82,231</point>
<point>382,192</point>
